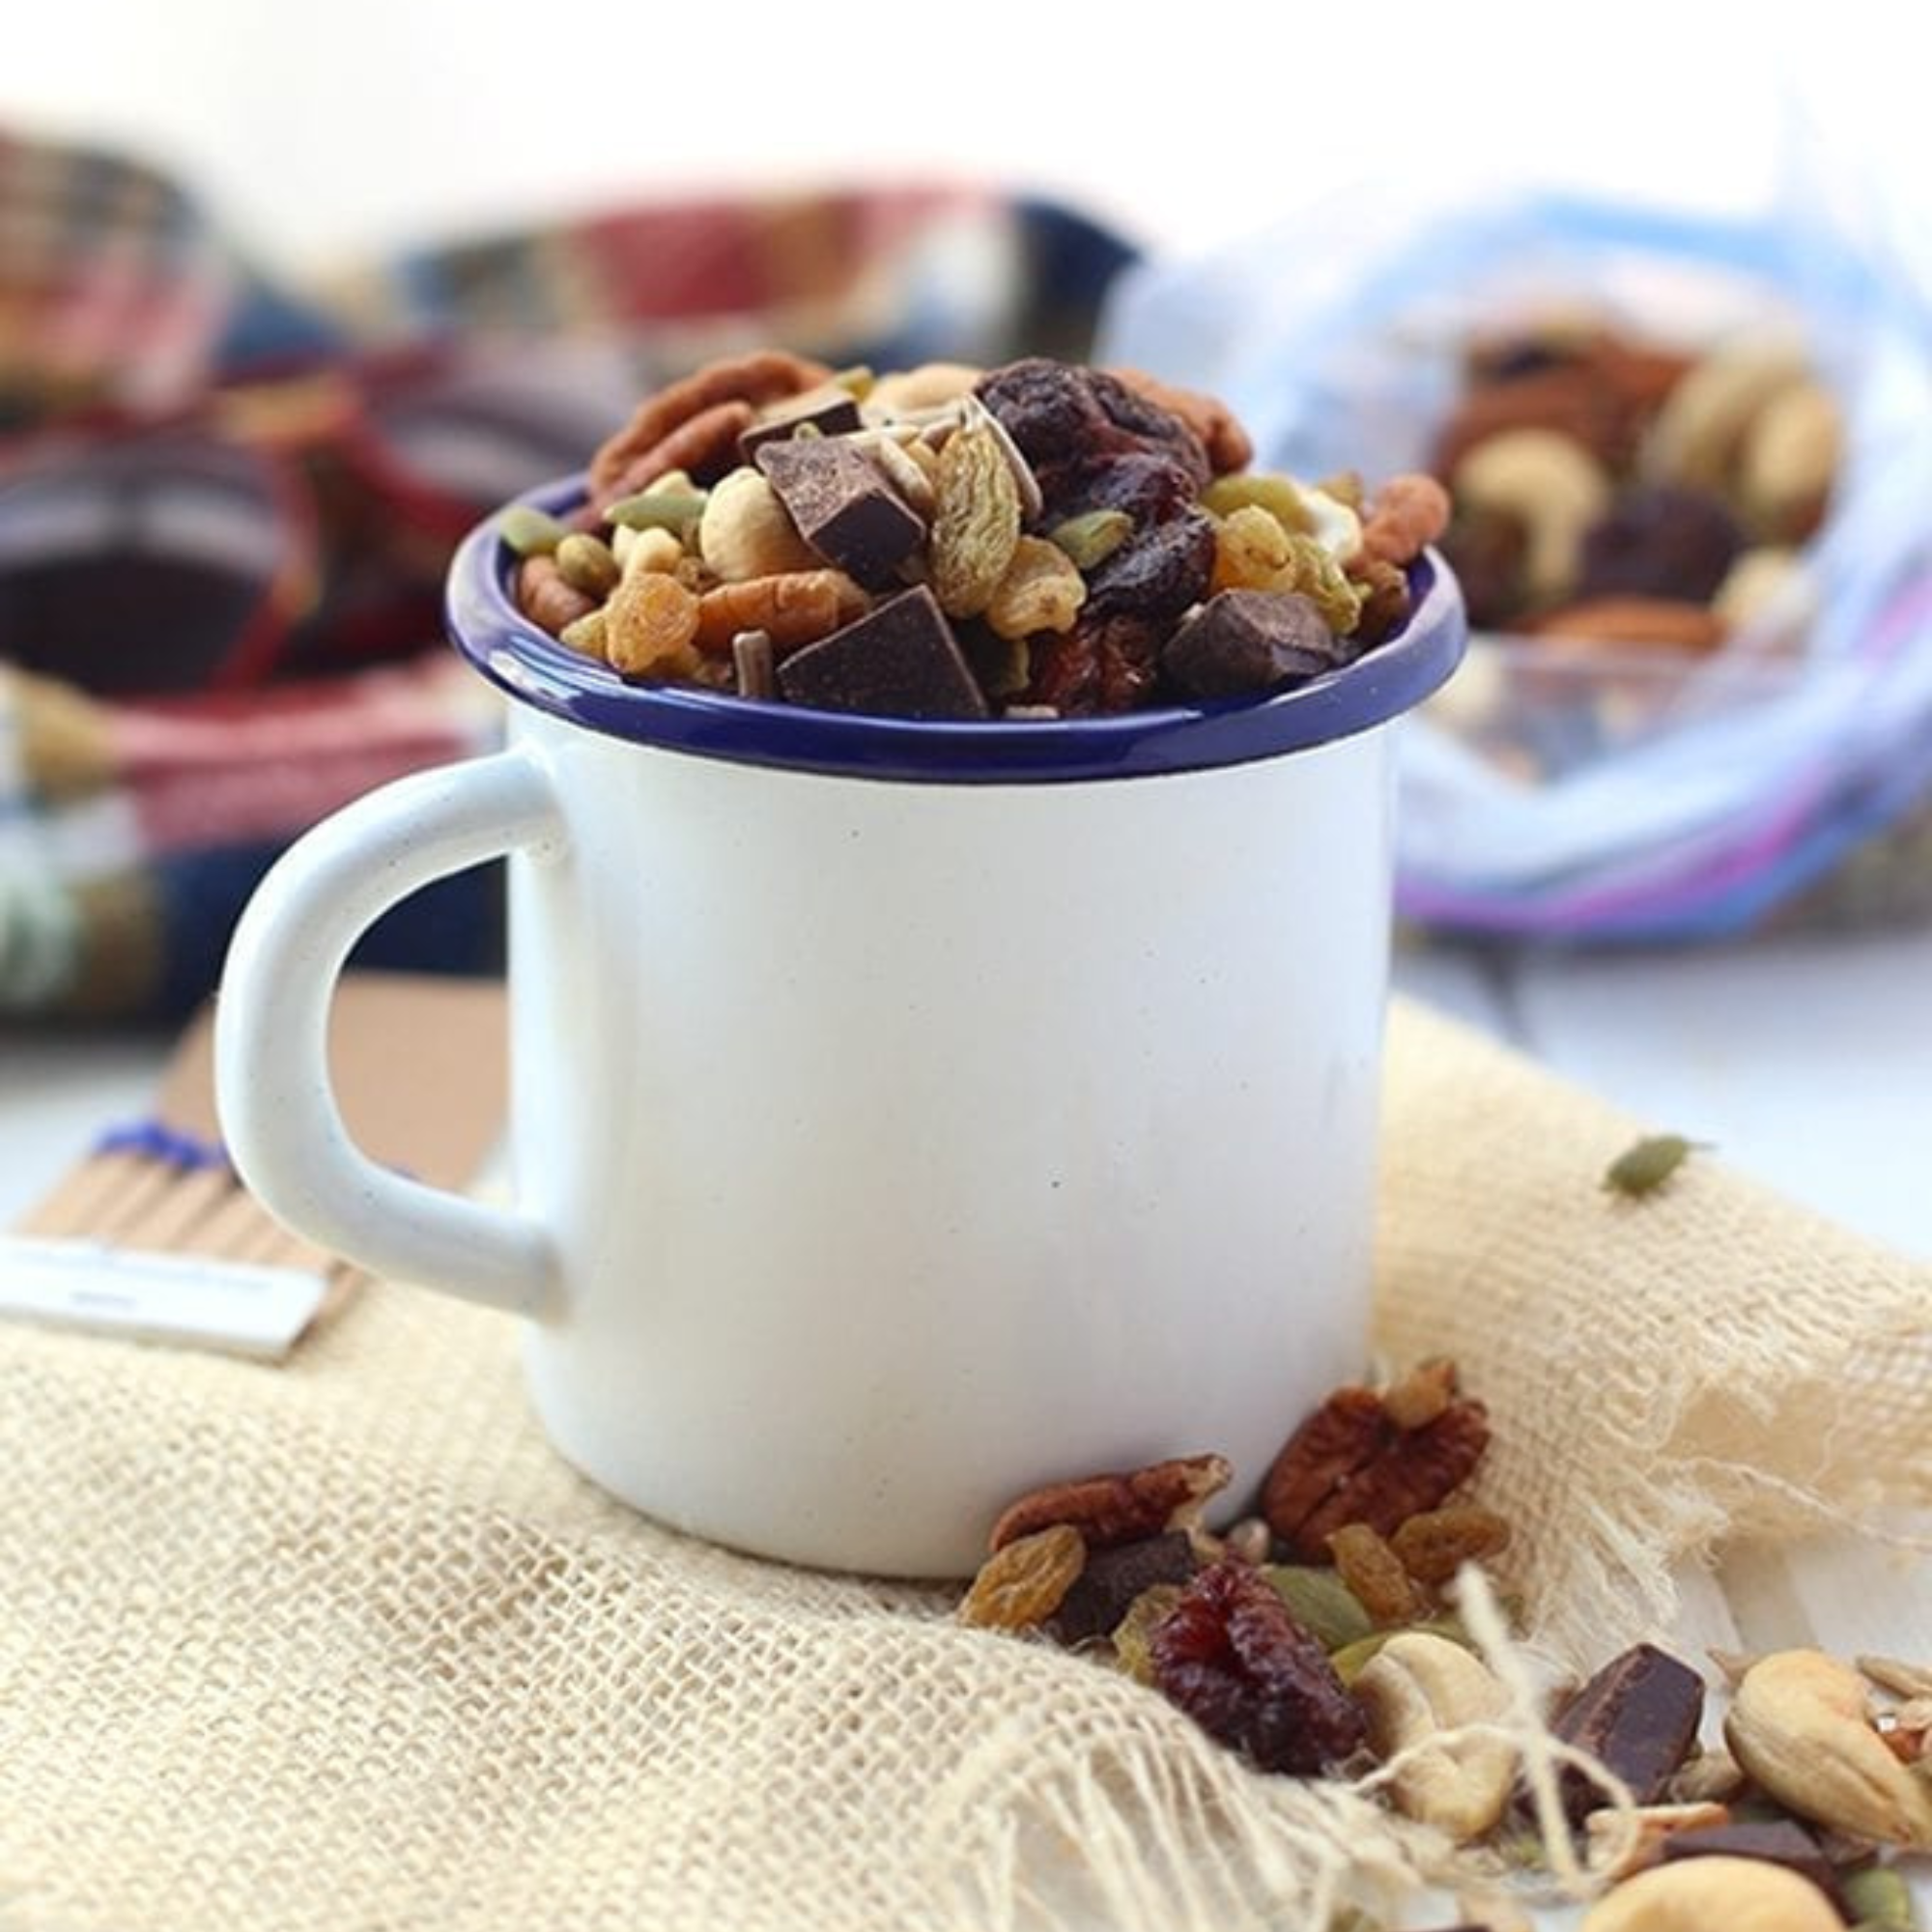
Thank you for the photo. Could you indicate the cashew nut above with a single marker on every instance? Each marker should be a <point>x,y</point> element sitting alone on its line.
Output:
<point>924,388</point>
<point>1716,1890</point>
<point>1415,1690</point>
<point>745,532</point>
<point>1550,484</point>
<point>1697,432</point>
<point>1788,458</point>
<point>1799,1725</point>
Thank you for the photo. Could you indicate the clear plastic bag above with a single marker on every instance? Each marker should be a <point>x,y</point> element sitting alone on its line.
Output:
<point>1635,799</point>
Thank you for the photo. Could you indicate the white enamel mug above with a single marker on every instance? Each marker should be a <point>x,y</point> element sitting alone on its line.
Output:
<point>902,1115</point>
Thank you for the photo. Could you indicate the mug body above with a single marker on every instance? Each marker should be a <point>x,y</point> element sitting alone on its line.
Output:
<point>908,1145</point>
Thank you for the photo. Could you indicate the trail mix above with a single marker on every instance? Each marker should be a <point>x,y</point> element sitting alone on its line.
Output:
<point>1042,539</point>
<point>1612,488</point>
<point>1325,1636</point>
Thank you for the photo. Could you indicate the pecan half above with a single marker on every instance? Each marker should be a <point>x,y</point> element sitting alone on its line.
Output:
<point>1118,1508</point>
<point>764,376</point>
<point>1350,1462</point>
<point>547,598</point>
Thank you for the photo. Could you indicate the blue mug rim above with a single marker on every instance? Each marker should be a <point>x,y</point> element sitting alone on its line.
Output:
<point>530,665</point>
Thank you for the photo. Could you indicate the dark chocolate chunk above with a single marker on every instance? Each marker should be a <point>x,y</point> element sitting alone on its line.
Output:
<point>1782,1841</point>
<point>844,507</point>
<point>899,661</point>
<point>1638,1717</point>
<point>820,411</point>
<point>1114,1578</point>
<point>1248,640</point>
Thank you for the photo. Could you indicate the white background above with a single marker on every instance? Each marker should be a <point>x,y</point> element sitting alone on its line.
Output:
<point>323,130</point>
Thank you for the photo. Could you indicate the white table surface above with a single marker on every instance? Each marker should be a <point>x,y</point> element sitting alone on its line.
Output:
<point>1803,1061</point>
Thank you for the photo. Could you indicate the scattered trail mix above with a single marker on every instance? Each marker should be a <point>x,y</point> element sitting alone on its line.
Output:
<point>1325,1635</point>
<point>1042,539</point>
<point>1612,488</point>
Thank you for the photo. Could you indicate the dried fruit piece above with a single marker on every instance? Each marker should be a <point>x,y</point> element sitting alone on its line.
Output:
<point>650,627</point>
<point>975,523</point>
<point>1231,1656</point>
<point>1282,497</point>
<point>1025,1582</point>
<point>1133,1633</point>
<point>1250,550</point>
<point>1433,1544</point>
<point>1375,1575</point>
<point>1052,410</point>
<point>1042,591</point>
<point>1253,551</point>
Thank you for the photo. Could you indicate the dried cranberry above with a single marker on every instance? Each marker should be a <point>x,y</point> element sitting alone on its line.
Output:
<point>1103,665</point>
<point>1232,1656</point>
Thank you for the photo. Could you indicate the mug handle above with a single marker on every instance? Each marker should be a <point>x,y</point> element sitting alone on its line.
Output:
<point>279,1114</point>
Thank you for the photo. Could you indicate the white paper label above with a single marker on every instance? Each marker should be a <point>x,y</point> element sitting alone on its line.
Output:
<point>157,1297</point>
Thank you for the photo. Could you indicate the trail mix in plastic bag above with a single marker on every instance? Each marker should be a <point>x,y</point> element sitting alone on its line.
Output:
<point>1042,539</point>
<point>1348,1629</point>
<point>1617,489</point>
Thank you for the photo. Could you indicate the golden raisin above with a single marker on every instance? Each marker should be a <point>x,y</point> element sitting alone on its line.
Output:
<point>975,523</point>
<point>1367,1563</point>
<point>1433,1544</point>
<point>650,626</point>
<point>1042,590</point>
<point>1023,1582</point>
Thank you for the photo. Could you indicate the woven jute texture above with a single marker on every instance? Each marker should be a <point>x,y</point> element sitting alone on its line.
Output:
<point>342,1644</point>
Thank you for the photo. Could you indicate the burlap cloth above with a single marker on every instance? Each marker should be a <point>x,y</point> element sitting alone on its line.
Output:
<point>341,1644</point>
